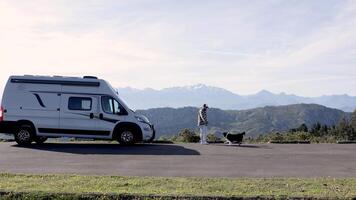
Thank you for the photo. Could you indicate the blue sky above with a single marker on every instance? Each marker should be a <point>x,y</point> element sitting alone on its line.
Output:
<point>304,47</point>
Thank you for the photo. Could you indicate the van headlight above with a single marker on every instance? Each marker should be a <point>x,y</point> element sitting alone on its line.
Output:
<point>142,119</point>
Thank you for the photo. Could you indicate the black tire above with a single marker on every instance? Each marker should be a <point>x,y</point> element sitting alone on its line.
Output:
<point>24,134</point>
<point>126,136</point>
<point>40,139</point>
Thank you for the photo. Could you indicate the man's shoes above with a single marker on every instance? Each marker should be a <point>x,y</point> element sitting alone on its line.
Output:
<point>204,143</point>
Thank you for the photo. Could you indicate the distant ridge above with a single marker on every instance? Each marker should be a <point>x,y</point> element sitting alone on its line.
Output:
<point>196,95</point>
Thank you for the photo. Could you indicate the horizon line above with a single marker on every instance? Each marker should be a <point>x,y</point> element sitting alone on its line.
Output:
<point>239,94</point>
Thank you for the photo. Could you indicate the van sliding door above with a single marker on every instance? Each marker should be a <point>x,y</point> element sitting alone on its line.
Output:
<point>77,115</point>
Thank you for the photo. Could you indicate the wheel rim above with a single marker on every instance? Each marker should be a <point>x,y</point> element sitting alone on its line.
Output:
<point>127,136</point>
<point>23,135</point>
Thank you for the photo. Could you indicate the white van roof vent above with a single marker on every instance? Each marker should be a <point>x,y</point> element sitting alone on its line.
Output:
<point>90,77</point>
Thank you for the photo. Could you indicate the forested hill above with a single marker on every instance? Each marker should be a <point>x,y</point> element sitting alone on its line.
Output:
<point>169,121</point>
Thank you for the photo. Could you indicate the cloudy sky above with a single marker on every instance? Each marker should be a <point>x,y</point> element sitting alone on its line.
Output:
<point>305,47</point>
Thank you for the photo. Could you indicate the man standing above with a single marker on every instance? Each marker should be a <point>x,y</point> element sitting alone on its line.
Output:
<point>203,123</point>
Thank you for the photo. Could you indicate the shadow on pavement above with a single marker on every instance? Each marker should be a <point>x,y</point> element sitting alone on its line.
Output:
<point>113,149</point>
<point>244,146</point>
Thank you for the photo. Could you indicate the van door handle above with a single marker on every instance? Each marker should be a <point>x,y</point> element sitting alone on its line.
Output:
<point>101,116</point>
<point>91,115</point>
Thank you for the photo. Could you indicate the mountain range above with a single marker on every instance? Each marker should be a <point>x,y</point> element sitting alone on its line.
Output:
<point>216,97</point>
<point>257,121</point>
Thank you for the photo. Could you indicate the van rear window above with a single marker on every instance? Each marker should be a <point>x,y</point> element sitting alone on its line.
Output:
<point>79,103</point>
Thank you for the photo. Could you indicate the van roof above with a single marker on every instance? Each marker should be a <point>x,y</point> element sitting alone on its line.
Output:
<point>61,80</point>
<point>55,76</point>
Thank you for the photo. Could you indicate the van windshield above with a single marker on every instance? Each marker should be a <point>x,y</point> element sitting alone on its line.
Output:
<point>115,91</point>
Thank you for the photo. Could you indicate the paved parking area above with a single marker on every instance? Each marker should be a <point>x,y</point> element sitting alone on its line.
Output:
<point>214,160</point>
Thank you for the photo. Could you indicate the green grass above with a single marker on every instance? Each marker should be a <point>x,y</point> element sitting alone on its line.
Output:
<point>224,187</point>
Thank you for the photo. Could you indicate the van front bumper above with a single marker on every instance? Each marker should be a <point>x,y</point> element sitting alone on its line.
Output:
<point>149,133</point>
<point>153,133</point>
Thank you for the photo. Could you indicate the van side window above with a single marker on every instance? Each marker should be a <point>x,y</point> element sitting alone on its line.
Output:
<point>111,106</point>
<point>79,103</point>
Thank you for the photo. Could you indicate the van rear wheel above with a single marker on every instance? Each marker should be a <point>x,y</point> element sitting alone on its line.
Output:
<point>24,135</point>
<point>40,139</point>
<point>127,137</point>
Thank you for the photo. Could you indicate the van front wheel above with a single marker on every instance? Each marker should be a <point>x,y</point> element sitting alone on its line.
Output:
<point>126,137</point>
<point>23,135</point>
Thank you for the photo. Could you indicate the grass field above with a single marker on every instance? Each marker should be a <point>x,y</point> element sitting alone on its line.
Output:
<point>223,187</point>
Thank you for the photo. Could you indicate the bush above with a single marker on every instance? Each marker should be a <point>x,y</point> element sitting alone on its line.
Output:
<point>297,136</point>
<point>164,138</point>
<point>284,137</point>
<point>211,137</point>
<point>187,136</point>
<point>276,137</point>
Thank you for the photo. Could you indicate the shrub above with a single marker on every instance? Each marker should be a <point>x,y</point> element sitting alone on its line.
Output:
<point>211,137</point>
<point>297,136</point>
<point>276,137</point>
<point>164,138</point>
<point>186,135</point>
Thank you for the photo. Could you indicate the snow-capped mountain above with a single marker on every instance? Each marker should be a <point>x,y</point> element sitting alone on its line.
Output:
<point>196,95</point>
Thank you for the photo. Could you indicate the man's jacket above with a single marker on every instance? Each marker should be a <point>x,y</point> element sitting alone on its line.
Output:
<point>202,117</point>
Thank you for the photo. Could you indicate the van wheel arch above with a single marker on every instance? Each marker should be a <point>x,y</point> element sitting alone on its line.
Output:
<point>120,127</point>
<point>25,123</point>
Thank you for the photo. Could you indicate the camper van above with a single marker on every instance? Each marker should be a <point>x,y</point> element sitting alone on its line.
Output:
<point>35,108</point>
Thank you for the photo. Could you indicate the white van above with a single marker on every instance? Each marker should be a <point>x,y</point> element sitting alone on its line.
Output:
<point>35,108</point>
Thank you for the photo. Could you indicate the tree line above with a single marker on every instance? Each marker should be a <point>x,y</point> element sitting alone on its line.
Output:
<point>345,130</point>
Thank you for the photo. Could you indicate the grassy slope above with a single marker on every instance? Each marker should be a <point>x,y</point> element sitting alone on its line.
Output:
<point>321,187</point>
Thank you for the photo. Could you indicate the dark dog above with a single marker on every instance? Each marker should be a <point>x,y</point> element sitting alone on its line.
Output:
<point>234,138</point>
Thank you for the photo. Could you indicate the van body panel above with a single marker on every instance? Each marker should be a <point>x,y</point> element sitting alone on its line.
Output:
<point>26,101</point>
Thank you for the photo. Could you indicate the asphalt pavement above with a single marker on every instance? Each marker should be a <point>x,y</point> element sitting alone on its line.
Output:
<point>181,160</point>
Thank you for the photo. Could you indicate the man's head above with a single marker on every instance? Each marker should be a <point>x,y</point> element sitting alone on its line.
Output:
<point>205,106</point>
